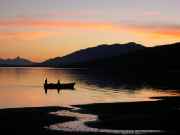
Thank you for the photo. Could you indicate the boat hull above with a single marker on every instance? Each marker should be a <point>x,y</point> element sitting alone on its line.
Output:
<point>59,86</point>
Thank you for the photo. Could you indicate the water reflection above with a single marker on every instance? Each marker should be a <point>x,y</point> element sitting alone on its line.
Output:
<point>46,90</point>
<point>23,87</point>
<point>58,90</point>
<point>125,80</point>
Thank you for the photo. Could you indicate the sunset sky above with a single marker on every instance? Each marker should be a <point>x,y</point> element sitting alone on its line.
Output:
<point>42,29</point>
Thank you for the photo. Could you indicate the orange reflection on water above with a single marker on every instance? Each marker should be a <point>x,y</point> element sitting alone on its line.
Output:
<point>23,87</point>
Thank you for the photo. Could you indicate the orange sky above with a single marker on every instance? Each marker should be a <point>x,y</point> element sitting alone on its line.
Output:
<point>42,39</point>
<point>39,30</point>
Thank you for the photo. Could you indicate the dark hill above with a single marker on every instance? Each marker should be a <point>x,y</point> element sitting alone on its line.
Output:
<point>129,57</point>
<point>165,57</point>
<point>94,53</point>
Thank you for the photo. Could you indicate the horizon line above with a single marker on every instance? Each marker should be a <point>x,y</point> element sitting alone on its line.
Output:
<point>40,61</point>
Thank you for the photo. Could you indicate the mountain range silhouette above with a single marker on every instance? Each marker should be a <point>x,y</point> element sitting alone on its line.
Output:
<point>130,56</point>
<point>93,54</point>
<point>18,61</point>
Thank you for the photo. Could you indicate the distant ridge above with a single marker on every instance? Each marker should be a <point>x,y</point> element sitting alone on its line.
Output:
<point>18,61</point>
<point>129,57</point>
<point>121,57</point>
<point>157,59</point>
<point>94,53</point>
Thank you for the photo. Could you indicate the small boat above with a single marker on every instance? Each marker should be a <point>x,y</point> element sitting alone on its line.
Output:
<point>58,85</point>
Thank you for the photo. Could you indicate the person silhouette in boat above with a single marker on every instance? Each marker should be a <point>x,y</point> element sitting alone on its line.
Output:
<point>46,81</point>
<point>58,82</point>
<point>44,86</point>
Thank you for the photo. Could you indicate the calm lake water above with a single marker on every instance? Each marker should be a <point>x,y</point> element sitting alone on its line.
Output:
<point>23,87</point>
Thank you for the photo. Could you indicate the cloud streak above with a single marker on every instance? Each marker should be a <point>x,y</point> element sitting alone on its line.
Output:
<point>27,36</point>
<point>165,30</point>
<point>59,24</point>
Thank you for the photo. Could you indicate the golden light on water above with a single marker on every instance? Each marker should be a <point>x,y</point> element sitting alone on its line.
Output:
<point>24,87</point>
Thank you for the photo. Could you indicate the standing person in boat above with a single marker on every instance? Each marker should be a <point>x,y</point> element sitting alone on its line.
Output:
<point>58,82</point>
<point>45,86</point>
<point>46,81</point>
